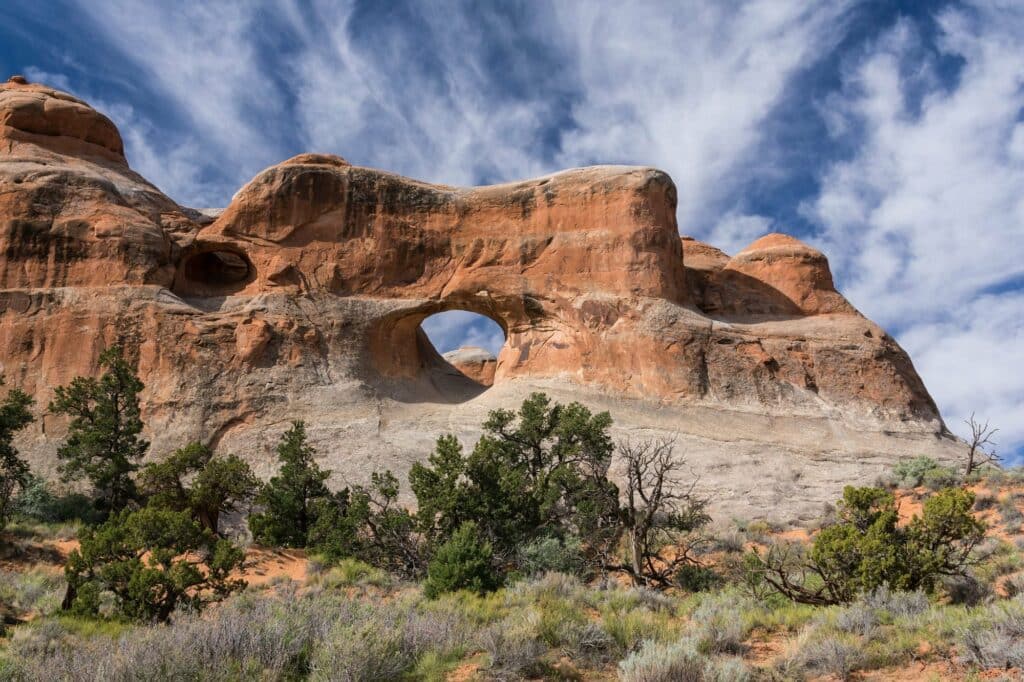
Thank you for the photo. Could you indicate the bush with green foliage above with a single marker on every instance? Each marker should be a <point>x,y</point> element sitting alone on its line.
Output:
<point>911,473</point>
<point>153,561</point>
<point>38,501</point>
<point>191,479</point>
<point>290,499</point>
<point>697,578</point>
<point>103,443</point>
<point>14,471</point>
<point>463,562</point>
<point>539,471</point>
<point>551,554</point>
<point>535,482</point>
<point>867,548</point>
<point>368,524</point>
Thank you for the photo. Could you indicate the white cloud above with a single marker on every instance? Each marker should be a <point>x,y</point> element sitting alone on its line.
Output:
<point>734,231</point>
<point>922,220</point>
<point>688,90</point>
<point>928,215</point>
<point>55,80</point>
<point>972,363</point>
<point>203,59</point>
<point>439,127</point>
<point>453,329</point>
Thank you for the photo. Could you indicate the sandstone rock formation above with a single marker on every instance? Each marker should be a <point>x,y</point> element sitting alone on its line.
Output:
<point>304,298</point>
<point>476,363</point>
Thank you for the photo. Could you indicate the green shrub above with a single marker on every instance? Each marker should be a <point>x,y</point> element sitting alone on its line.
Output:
<point>629,628</point>
<point>37,501</point>
<point>696,578</point>
<point>679,661</point>
<point>352,573</point>
<point>867,548</point>
<point>289,498</point>
<point>940,477</point>
<point>911,473</point>
<point>152,561</point>
<point>464,562</point>
<point>552,555</point>
<point>366,523</point>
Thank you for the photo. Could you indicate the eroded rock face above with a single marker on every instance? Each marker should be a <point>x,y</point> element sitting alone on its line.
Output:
<point>476,363</point>
<point>304,297</point>
<point>73,213</point>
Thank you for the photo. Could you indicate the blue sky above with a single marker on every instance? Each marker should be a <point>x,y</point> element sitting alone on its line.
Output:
<point>888,134</point>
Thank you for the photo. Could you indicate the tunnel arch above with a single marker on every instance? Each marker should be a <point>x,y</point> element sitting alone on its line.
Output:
<point>414,370</point>
<point>214,270</point>
<point>468,341</point>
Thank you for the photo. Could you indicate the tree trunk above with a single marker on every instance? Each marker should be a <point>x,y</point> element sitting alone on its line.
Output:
<point>209,518</point>
<point>69,597</point>
<point>635,558</point>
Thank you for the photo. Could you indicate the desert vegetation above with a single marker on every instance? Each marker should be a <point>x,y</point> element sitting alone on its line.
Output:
<point>545,550</point>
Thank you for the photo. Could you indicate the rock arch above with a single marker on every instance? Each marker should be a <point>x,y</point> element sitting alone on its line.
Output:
<point>302,300</point>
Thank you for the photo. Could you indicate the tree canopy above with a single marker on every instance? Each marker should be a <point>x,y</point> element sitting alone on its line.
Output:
<point>103,444</point>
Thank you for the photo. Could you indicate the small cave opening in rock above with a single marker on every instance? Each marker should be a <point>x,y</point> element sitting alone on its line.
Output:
<point>467,344</point>
<point>217,271</point>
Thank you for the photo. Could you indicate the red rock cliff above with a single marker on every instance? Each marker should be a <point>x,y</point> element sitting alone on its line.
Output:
<point>305,296</point>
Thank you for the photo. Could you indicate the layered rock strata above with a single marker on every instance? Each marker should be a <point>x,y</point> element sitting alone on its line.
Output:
<point>304,298</point>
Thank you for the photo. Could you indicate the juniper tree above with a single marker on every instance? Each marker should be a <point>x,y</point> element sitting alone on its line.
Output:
<point>103,443</point>
<point>367,523</point>
<point>289,499</point>
<point>463,562</point>
<point>192,479</point>
<point>152,561</point>
<point>868,548</point>
<point>14,471</point>
<point>540,471</point>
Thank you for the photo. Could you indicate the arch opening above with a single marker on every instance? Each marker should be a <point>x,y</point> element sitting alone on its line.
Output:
<point>218,268</point>
<point>466,343</point>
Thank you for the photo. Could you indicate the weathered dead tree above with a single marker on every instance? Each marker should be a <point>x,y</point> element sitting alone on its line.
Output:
<point>981,447</point>
<point>660,515</point>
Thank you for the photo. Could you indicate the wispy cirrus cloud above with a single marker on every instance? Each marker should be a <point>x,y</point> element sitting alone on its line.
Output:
<point>925,223</point>
<point>889,134</point>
